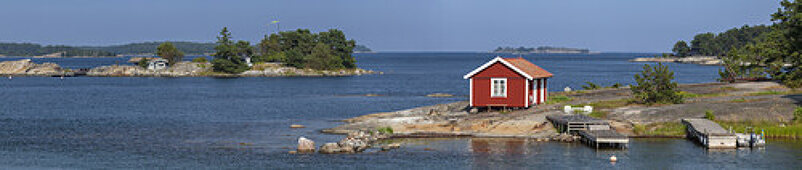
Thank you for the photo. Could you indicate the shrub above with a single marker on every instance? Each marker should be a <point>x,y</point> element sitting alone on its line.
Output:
<point>798,115</point>
<point>200,60</point>
<point>590,86</point>
<point>616,85</point>
<point>385,130</point>
<point>655,85</point>
<point>143,63</point>
<point>709,115</point>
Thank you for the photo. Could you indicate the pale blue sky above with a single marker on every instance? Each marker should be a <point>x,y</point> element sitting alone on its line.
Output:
<point>404,25</point>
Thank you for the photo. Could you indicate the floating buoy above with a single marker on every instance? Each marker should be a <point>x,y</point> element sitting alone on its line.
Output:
<point>613,158</point>
<point>9,77</point>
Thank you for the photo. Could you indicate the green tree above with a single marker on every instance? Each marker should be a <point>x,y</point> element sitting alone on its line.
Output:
<point>227,57</point>
<point>303,49</point>
<point>655,85</point>
<point>681,49</point>
<point>789,26</point>
<point>168,51</point>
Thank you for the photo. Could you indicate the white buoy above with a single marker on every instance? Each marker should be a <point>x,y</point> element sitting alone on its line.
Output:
<point>9,77</point>
<point>613,158</point>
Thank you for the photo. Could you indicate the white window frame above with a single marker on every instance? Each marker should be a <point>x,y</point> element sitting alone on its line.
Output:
<point>493,87</point>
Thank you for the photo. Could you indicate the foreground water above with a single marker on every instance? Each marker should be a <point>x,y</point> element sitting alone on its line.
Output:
<point>134,122</point>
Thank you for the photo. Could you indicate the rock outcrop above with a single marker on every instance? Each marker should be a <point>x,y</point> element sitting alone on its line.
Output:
<point>701,60</point>
<point>181,69</point>
<point>195,69</point>
<point>305,145</point>
<point>354,143</point>
<point>26,67</point>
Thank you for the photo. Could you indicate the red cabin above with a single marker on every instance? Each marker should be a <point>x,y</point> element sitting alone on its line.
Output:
<point>508,82</point>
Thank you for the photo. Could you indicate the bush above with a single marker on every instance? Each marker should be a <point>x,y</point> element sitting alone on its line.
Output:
<point>385,130</point>
<point>143,63</point>
<point>798,115</point>
<point>616,85</point>
<point>709,115</point>
<point>228,66</point>
<point>200,60</point>
<point>655,85</point>
<point>590,86</point>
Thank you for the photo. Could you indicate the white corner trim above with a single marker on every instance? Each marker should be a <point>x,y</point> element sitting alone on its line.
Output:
<point>497,59</point>
<point>470,100</point>
<point>493,87</point>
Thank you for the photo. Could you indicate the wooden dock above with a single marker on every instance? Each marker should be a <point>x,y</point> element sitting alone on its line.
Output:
<point>710,134</point>
<point>594,132</point>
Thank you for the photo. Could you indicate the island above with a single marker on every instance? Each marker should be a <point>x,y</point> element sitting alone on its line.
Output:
<point>362,49</point>
<point>542,49</point>
<point>288,53</point>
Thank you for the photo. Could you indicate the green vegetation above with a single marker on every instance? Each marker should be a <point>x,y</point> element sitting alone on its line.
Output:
<point>193,48</point>
<point>554,99</point>
<point>28,49</point>
<point>303,49</point>
<point>200,60</point>
<point>598,114</point>
<point>797,115</point>
<point>542,49</point>
<point>168,51</point>
<point>775,52</point>
<point>361,49</point>
<point>660,129</point>
<point>739,100</point>
<point>681,49</point>
<point>771,92</point>
<point>710,44</point>
<point>609,104</point>
<point>709,115</point>
<point>385,130</point>
<point>143,63</point>
<point>655,85</point>
<point>229,57</point>
<point>771,129</point>
<point>590,86</point>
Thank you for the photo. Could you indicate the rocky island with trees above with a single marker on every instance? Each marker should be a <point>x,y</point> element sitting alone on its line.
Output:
<point>542,49</point>
<point>287,53</point>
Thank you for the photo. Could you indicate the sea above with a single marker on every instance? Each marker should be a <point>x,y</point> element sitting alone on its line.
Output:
<point>244,123</point>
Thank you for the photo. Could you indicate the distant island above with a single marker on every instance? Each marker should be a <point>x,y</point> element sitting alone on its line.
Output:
<point>362,49</point>
<point>541,49</point>
<point>31,50</point>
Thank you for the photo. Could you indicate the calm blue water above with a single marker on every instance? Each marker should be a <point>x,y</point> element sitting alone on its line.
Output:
<point>136,122</point>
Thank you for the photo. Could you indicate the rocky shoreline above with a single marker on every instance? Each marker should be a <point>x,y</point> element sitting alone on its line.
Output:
<point>701,60</point>
<point>737,102</point>
<point>26,67</point>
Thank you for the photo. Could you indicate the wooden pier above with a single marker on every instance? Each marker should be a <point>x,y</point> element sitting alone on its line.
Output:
<point>594,132</point>
<point>710,134</point>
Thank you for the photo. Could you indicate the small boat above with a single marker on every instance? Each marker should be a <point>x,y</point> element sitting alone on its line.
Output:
<point>750,139</point>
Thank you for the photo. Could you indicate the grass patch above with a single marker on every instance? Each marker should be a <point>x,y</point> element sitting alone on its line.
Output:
<point>772,129</point>
<point>609,104</point>
<point>558,99</point>
<point>770,92</point>
<point>728,88</point>
<point>738,100</point>
<point>385,130</point>
<point>689,95</point>
<point>660,129</point>
<point>598,114</point>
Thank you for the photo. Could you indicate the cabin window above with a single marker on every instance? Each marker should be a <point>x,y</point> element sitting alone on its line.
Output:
<point>498,87</point>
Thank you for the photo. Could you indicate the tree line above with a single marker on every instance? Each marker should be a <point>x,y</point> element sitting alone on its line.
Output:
<point>776,54</point>
<point>30,49</point>
<point>711,44</point>
<point>300,48</point>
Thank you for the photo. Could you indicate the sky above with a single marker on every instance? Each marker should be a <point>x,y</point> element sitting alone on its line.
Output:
<point>386,25</point>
